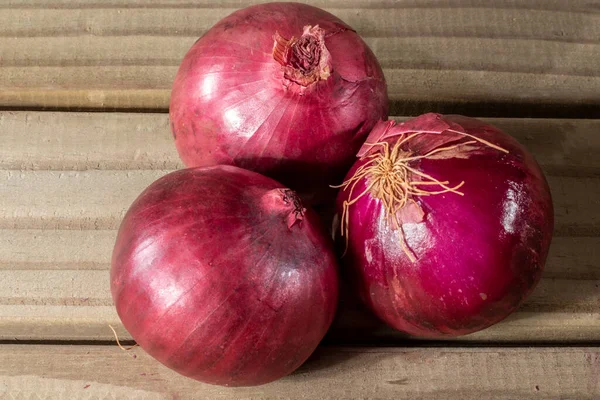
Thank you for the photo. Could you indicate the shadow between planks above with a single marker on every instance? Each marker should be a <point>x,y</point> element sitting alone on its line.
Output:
<point>66,180</point>
<point>525,58</point>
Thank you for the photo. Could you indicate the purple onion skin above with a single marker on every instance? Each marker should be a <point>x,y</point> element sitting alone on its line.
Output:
<point>210,279</point>
<point>231,104</point>
<point>478,256</point>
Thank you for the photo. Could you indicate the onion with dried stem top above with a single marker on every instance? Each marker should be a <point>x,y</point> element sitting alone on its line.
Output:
<point>284,89</point>
<point>446,223</point>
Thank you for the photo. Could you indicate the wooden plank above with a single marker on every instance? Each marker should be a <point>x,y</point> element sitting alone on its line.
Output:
<point>370,18</point>
<point>425,373</point>
<point>57,287</point>
<point>31,249</point>
<point>47,199</point>
<point>576,258</point>
<point>125,54</point>
<point>547,5</point>
<point>79,141</point>
<point>560,291</point>
<point>108,51</point>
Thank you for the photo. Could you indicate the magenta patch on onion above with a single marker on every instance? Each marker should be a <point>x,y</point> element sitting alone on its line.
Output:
<point>284,89</point>
<point>446,223</point>
<point>224,276</point>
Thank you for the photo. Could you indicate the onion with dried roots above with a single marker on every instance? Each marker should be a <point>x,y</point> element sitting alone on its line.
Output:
<point>446,222</point>
<point>222,275</point>
<point>284,89</point>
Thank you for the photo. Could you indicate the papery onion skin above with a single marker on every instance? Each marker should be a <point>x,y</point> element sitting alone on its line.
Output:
<point>478,256</point>
<point>220,274</point>
<point>231,103</point>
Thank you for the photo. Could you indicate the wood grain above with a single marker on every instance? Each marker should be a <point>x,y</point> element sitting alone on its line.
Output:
<point>57,287</point>
<point>86,372</point>
<point>31,249</point>
<point>46,249</point>
<point>47,199</point>
<point>127,141</point>
<point>584,6</point>
<point>95,199</point>
<point>125,54</point>
<point>82,141</point>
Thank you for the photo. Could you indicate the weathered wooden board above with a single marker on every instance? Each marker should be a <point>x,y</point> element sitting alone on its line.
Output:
<point>522,56</point>
<point>126,141</point>
<point>90,372</point>
<point>56,286</point>
<point>98,199</point>
<point>67,178</point>
<point>81,141</point>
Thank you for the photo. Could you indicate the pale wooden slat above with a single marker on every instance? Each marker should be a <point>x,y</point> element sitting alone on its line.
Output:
<point>47,199</point>
<point>27,322</point>
<point>436,53</point>
<point>526,20</point>
<point>150,87</point>
<point>69,297</point>
<point>20,322</point>
<point>557,311</point>
<point>576,205</point>
<point>72,199</point>
<point>76,141</point>
<point>64,286</point>
<point>56,288</point>
<point>126,57</point>
<point>67,301</point>
<point>89,287</point>
<point>576,258</point>
<point>86,372</point>
<point>79,141</point>
<point>86,98</point>
<point>548,5</point>
<point>31,249</point>
<point>536,327</point>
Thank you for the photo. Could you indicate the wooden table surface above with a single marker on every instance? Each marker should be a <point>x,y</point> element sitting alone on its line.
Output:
<point>84,92</point>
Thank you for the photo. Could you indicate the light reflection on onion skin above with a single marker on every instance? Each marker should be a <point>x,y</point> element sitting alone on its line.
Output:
<point>511,205</point>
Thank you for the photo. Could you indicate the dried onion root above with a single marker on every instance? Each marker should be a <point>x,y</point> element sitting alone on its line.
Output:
<point>391,179</point>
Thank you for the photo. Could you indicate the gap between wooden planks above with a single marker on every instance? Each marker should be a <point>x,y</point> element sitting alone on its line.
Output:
<point>67,179</point>
<point>522,55</point>
<point>82,371</point>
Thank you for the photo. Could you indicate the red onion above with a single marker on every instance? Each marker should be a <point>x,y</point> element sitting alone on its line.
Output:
<point>284,89</point>
<point>447,223</point>
<point>222,275</point>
